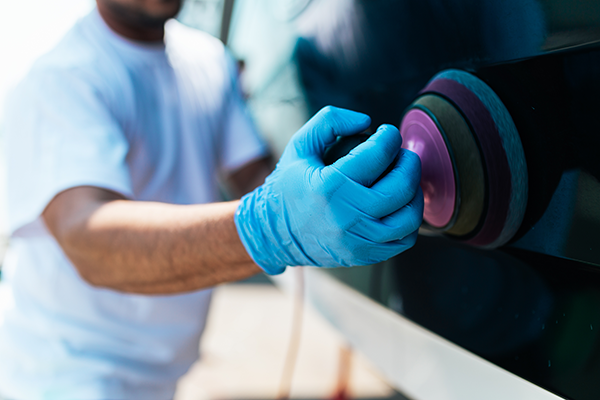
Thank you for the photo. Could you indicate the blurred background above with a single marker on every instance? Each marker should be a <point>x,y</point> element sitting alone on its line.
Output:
<point>250,323</point>
<point>445,320</point>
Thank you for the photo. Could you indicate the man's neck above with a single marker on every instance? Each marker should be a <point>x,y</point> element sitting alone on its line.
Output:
<point>130,31</point>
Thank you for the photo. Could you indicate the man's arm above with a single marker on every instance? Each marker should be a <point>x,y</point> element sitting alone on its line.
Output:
<point>306,213</point>
<point>154,248</point>
<point>148,247</point>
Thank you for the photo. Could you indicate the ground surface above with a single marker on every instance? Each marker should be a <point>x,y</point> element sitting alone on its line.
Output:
<point>244,348</point>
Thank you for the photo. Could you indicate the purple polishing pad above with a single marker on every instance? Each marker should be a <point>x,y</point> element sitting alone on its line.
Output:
<point>496,163</point>
<point>421,135</point>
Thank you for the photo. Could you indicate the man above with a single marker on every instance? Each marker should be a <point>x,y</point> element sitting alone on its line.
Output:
<point>115,141</point>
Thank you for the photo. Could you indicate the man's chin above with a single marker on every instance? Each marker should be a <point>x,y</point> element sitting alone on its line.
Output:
<point>152,21</point>
<point>146,13</point>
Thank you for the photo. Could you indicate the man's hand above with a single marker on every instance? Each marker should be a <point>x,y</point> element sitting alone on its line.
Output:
<point>307,213</point>
<point>304,214</point>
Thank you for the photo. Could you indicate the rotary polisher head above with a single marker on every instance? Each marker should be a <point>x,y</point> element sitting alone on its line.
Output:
<point>423,136</point>
<point>468,169</point>
<point>485,165</point>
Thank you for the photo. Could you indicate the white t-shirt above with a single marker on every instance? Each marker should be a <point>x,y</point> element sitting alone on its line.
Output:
<point>156,123</point>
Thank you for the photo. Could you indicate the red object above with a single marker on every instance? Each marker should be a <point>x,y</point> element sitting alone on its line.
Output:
<point>341,395</point>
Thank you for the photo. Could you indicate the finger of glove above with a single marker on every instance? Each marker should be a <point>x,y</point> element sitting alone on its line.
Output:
<point>322,130</point>
<point>409,241</point>
<point>408,219</point>
<point>396,247</point>
<point>367,161</point>
<point>395,226</point>
<point>372,253</point>
<point>394,190</point>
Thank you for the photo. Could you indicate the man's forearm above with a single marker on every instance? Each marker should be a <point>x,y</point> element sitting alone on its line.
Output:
<point>151,248</point>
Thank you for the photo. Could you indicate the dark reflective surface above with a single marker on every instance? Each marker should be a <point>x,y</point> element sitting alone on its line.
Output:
<point>537,316</point>
<point>553,110</point>
<point>375,56</point>
<point>532,307</point>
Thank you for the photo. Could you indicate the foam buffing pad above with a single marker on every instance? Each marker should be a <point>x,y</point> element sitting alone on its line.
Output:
<point>487,162</point>
<point>467,164</point>
<point>421,135</point>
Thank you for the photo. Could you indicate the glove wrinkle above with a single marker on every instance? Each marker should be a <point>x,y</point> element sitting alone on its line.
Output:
<point>307,213</point>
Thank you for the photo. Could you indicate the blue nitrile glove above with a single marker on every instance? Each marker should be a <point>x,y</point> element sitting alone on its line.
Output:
<point>307,213</point>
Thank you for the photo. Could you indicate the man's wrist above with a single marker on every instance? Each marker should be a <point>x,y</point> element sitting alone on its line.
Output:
<point>252,236</point>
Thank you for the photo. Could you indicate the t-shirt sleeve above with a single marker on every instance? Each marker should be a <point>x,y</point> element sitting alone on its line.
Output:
<point>241,143</point>
<point>60,134</point>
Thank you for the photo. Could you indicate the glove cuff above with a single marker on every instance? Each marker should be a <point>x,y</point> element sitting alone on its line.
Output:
<point>249,227</point>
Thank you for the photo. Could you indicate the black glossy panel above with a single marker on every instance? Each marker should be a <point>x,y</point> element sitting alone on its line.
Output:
<point>528,308</point>
<point>537,316</point>
<point>389,50</point>
<point>532,307</point>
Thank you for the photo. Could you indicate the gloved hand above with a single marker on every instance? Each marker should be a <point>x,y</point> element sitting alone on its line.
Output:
<point>307,213</point>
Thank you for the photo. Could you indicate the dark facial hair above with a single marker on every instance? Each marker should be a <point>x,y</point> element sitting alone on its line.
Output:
<point>135,17</point>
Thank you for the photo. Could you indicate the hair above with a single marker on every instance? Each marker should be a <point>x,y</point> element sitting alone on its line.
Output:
<point>138,16</point>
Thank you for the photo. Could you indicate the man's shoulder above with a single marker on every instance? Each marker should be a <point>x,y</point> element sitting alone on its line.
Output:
<point>73,52</point>
<point>74,61</point>
<point>75,71</point>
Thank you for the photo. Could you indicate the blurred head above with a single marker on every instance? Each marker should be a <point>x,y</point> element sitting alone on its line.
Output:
<point>134,18</point>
